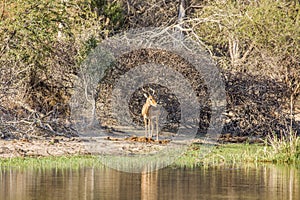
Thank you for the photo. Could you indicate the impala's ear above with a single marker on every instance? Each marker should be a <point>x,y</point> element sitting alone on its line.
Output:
<point>153,91</point>
<point>145,95</point>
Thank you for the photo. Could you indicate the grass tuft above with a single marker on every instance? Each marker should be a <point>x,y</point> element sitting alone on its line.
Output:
<point>285,148</point>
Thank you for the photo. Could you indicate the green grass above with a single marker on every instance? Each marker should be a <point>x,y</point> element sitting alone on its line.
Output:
<point>279,150</point>
<point>224,154</point>
<point>51,162</point>
<point>238,153</point>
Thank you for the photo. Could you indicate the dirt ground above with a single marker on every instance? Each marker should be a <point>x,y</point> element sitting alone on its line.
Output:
<point>116,144</point>
<point>62,146</point>
<point>56,146</point>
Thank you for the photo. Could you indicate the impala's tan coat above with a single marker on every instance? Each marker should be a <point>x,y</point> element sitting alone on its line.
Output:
<point>149,113</point>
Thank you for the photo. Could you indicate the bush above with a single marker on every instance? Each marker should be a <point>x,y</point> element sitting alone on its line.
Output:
<point>43,45</point>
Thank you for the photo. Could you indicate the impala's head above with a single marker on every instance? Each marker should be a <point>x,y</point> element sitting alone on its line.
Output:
<point>150,100</point>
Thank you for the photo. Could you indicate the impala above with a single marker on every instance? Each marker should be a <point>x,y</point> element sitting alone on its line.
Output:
<point>150,113</point>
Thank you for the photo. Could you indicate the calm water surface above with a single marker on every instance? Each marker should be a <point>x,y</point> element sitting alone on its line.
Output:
<point>243,182</point>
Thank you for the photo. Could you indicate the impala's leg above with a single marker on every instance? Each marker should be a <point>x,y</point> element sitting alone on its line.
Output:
<point>146,126</point>
<point>152,127</point>
<point>149,127</point>
<point>156,128</point>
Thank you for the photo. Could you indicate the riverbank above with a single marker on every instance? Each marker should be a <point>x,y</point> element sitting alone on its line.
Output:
<point>70,152</point>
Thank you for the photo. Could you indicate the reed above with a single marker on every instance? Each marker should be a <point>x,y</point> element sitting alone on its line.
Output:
<point>285,148</point>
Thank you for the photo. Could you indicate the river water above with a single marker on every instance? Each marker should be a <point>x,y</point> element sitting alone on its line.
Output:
<point>224,182</point>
